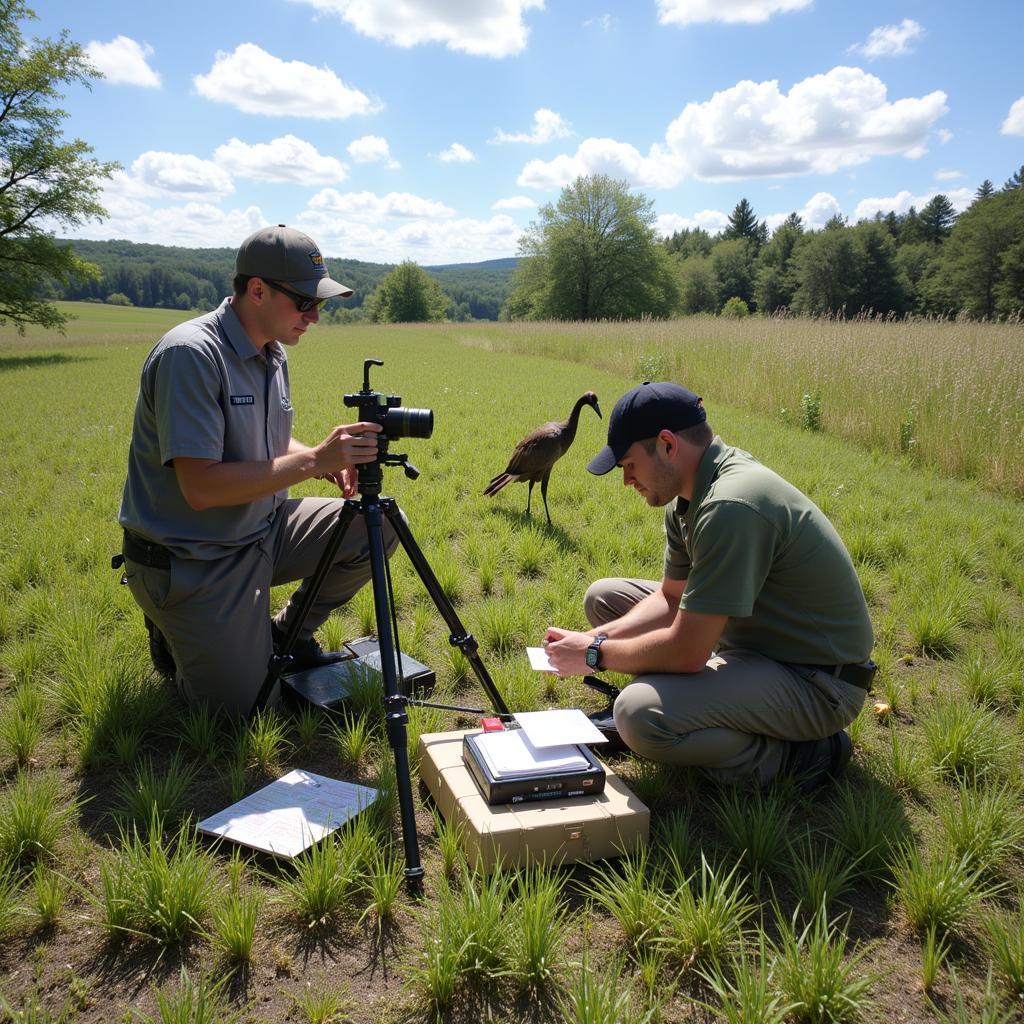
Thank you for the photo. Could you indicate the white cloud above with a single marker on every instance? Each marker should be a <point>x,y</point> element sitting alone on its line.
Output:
<point>943,175</point>
<point>547,125</point>
<point>287,159</point>
<point>372,149</point>
<point>200,225</point>
<point>818,211</point>
<point>123,61</point>
<point>368,206</point>
<point>257,82</point>
<point>688,12</point>
<point>514,203</point>
<point>484,28</point>
<point>961,198</point>
<point>605,22</point>
<point>456,153</point>
<point>181,175</point>
<point>461,240</point>
<point>601,156</point>
<point>1014,123</point>
<point>711,221</point>
<point>889,40</point>
<point>753,129</point>
<point>945,135</point>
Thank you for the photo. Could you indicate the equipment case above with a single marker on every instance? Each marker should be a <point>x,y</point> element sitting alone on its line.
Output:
<point>580,829</point>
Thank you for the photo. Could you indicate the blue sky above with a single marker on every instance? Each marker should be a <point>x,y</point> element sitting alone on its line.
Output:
<point>432,129</point>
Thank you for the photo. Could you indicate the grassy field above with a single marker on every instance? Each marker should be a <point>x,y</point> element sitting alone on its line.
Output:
<point>947,395</point>
<point>109,913</point>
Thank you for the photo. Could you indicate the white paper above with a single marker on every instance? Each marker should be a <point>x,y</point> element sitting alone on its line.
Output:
<point>539,659</point>
<point>510,755</point>
<point>291,814</point>
<point>553,728</point>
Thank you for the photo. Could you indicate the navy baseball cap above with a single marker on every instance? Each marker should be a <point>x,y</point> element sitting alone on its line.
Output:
<point>642,413</point>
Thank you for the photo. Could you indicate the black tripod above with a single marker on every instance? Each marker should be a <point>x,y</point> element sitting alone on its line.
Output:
<point>373,508</point>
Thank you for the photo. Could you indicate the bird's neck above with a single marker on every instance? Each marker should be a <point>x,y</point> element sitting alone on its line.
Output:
<point>569,432</point>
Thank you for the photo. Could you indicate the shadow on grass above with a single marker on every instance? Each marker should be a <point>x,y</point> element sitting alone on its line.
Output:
<point>121,964</point>
<point>563,539</point>
<point>29,362</point>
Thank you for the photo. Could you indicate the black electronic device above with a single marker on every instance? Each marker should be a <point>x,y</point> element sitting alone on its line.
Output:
<point>585,780</point>
<point>329,686</point>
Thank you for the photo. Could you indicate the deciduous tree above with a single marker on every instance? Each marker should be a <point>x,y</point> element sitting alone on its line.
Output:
<point>45,181</point>
<point>594,254</point>
<point>408,294</point>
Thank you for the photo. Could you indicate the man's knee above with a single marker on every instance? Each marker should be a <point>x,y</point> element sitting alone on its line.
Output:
<point>637,719</point>
<point>598,603</point>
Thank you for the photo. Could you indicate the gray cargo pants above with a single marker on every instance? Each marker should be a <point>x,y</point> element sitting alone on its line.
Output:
<point>215,613</point>
<point>736,718</point>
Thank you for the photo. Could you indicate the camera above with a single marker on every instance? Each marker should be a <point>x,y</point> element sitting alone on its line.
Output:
<point>387,410</point>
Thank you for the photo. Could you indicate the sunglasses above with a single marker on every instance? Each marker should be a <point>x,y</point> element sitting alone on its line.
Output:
<point>302,302</point>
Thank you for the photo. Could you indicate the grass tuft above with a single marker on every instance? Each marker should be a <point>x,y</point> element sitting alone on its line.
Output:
<point>816,975</point>
<point>939,891</point>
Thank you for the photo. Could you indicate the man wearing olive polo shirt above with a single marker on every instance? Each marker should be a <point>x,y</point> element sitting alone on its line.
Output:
<point>750,657</point>
<point>208,524</point>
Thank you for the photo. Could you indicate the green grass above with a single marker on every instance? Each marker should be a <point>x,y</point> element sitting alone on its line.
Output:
<point>942,559</point>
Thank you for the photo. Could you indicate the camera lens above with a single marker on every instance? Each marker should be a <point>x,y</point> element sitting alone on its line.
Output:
<point>400,422</point>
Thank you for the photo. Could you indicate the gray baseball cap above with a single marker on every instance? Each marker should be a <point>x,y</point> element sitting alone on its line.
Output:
<point>291,258</point>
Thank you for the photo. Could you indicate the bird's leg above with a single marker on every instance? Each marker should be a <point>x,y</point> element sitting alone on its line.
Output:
<point>544,495</point>
<point>529,495</point>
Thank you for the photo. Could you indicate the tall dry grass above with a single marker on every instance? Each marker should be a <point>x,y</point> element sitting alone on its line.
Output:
<point>947,394</point>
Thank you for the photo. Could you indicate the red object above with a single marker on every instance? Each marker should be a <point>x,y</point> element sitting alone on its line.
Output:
<point>492,724</point>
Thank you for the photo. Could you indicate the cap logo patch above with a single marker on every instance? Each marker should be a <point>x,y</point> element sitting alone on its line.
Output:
<point>316,259</point>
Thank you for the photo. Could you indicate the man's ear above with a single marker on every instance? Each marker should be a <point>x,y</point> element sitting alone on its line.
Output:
<point>669,440</point>
<point>256,290</point>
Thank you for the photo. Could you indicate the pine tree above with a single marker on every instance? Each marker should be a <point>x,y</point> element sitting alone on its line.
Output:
<point>742,222</point>
<point>937,218</point>
<point>985,190</point>
<point>1015,180</point>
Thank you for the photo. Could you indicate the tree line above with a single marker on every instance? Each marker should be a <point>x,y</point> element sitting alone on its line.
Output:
<point>595,254</point>
<point>140,274</point>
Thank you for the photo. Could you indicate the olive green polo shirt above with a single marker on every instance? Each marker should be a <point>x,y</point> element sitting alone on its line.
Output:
<point>206,392</point>
<point>753,547</point>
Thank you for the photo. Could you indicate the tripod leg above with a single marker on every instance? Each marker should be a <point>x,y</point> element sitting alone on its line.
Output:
<point>394,703</point>
<point>459,637</point>
<point>280,660</point>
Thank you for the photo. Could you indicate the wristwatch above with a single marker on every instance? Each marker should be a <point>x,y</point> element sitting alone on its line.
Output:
<point>594,652</point>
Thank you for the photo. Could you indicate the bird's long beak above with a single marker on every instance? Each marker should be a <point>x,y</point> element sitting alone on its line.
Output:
<point>597,409</point>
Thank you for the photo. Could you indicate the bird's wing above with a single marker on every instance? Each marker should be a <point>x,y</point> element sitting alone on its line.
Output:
<point>537,451</point>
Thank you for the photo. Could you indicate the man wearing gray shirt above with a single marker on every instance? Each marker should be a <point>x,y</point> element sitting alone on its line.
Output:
<point>208,524</point>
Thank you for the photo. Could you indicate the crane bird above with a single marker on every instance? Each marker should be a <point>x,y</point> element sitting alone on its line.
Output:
<point>539,451</point>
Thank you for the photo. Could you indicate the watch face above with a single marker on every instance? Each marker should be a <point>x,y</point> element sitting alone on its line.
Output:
<point>592,655</point>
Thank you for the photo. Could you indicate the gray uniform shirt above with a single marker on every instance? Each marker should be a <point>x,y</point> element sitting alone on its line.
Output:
<point>753,547</point>
<point>206,392</point>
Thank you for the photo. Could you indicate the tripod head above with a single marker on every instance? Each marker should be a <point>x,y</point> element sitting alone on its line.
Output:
<point>395,422</point>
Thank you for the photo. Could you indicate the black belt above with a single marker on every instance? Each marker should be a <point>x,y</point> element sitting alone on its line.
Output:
<point>145,552</point>
<point>858,675</point>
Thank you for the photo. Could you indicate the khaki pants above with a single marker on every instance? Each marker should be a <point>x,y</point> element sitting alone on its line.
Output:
<point>215,613</point>
<point>736,718</point>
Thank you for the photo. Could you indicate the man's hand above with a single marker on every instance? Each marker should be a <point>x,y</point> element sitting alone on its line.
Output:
<point>345,448</point>
<point>567,651</point>
<point>346,481</point>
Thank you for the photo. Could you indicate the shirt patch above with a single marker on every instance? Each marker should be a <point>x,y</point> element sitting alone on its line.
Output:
<point>243,400</point>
